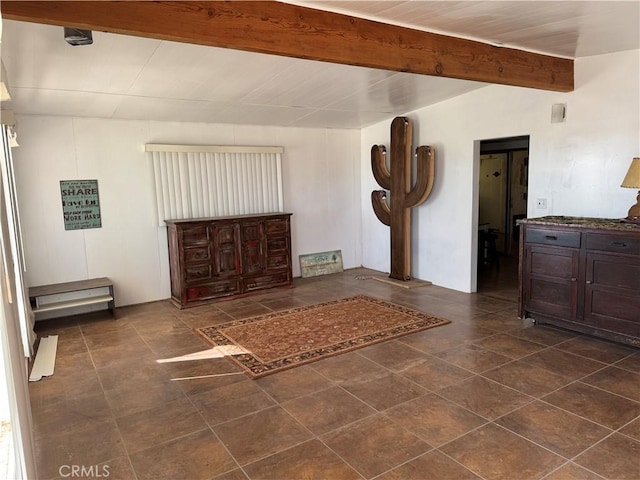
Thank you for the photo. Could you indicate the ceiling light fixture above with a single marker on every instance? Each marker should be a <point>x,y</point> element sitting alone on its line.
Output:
<point>76,36</point>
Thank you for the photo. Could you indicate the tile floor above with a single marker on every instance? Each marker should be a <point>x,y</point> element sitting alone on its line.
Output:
<point>486,397</point>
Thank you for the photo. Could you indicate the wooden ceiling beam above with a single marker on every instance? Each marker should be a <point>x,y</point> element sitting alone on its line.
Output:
<point>294,31</point>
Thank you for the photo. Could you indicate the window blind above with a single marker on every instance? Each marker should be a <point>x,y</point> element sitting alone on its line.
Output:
<point>210,181</point>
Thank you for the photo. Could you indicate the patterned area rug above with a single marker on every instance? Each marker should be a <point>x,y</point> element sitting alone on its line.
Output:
<point>280,340</point>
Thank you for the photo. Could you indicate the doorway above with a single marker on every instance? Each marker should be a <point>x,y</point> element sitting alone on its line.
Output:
<point>503,189</point>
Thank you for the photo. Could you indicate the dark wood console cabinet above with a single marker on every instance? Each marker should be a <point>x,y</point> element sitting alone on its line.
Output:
<point>211,258</point>
<point>582,274</point>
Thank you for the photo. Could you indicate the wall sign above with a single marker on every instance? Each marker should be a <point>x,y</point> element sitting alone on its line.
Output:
<point>80,204</point>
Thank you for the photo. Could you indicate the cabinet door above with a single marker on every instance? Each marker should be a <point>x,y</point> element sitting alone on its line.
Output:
<point>551,281</point>
<point>226,251</point>
<point>612,293</point>
<point>252,247</point>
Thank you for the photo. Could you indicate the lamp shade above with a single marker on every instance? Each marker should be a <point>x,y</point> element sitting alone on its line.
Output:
<point>632,179</point>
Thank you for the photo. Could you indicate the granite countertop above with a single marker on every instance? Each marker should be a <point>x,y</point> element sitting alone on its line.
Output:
<point>583,222</point>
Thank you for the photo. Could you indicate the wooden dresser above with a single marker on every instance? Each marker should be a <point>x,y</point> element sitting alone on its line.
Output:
<point>582,274</point>
<point>211,258</point>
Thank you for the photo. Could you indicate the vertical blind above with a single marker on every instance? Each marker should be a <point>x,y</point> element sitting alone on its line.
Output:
<point>210,181</point>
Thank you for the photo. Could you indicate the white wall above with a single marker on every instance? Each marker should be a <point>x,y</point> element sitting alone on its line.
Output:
<point>321,189</point>
<point>577,165</point>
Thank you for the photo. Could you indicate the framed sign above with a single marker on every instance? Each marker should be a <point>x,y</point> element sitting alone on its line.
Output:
<point>80,204</point>
<point>324,263</point>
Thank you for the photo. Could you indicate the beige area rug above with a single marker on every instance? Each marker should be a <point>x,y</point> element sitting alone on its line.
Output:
<point>286,339</point>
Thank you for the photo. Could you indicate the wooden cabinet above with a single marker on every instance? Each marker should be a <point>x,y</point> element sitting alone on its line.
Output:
<point>582,274</point>
<point>212,258</point>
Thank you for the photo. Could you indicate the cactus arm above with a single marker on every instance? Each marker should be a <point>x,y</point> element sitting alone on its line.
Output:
<point>380,207</point>
<point>379,166</point>
<point>426,164</point>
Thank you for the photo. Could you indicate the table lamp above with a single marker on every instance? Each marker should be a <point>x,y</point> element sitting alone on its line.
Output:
<point>632,180</point>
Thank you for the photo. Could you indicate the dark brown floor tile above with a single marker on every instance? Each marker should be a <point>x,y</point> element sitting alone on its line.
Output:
<point>85,445</point>
<point>498,322</point>
<point>485,397</point>
<point>196,456</point>
<point>131,372</point>
<point>361,444</point>
<point>527,378</point>
<point>327,410</point>
<point>433,373</point>
<point>631,363</point>
<point>384,391</point>
<point>616,457</point>
<point>348,366</point>
<point>150,309</point>
<point>490,304</point>
<point>562,363</point>
<point>107,356</point>
<point>553,428</point>
<point>495,453</point>
<point>618,381</point>
<point>310,460</point>
<point>393,355</point>
<point>77,411</point>
<point>236,474</point>
<point>71,345</point>
<point>117,469</point>
<point>435,419</point>
<point>459,331</point>
<point>60,388</point>
<point>571,471</point>
<point>182,342</point>
<point>429,343</point>
<point>256,436</point>
<point>600,350</point>
<point>146,395</point>
<point>431,466</point>
<point>158,425</point>
<point>122,335</point>
<point>633,429</point>
<point>293,383</point>
<point>231,401</point>
<point>197,376</point>
<point>282,303</point>
<point>474,358</point>
<point>509,345</point>
<point>543,334</point>
<point>594,404</point>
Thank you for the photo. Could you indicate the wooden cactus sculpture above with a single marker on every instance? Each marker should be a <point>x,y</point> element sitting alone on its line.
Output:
<point>396,212</point>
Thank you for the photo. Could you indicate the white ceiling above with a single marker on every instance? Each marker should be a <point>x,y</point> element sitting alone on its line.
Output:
<point>138,78</point>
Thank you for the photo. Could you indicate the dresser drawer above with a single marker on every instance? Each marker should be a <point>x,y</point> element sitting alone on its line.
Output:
<point>613,243</point>
<point>277,261</point>
<point>276,226</point>
<point>267,281</point>
<point>213,290</point>
<point>275,244</point>
<point>197,273</point>
<point>558,238</point>
<point>197,254</point>
<point>195,234</point>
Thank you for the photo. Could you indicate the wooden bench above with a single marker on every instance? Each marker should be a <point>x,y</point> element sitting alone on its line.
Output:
<point>40,304</point>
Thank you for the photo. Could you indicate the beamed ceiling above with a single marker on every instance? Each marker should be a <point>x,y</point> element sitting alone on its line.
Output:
<point>334,64</point>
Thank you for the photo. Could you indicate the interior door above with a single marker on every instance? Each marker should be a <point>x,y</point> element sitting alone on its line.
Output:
<point>493,194</point>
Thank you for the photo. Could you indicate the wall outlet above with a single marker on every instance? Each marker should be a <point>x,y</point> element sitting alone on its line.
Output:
<point>541,203</point>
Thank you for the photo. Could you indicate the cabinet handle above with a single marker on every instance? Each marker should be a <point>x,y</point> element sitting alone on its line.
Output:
<point>574,279</point>
<point>551,237</point>
<point>589,282</point>
<point>619,244</point>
